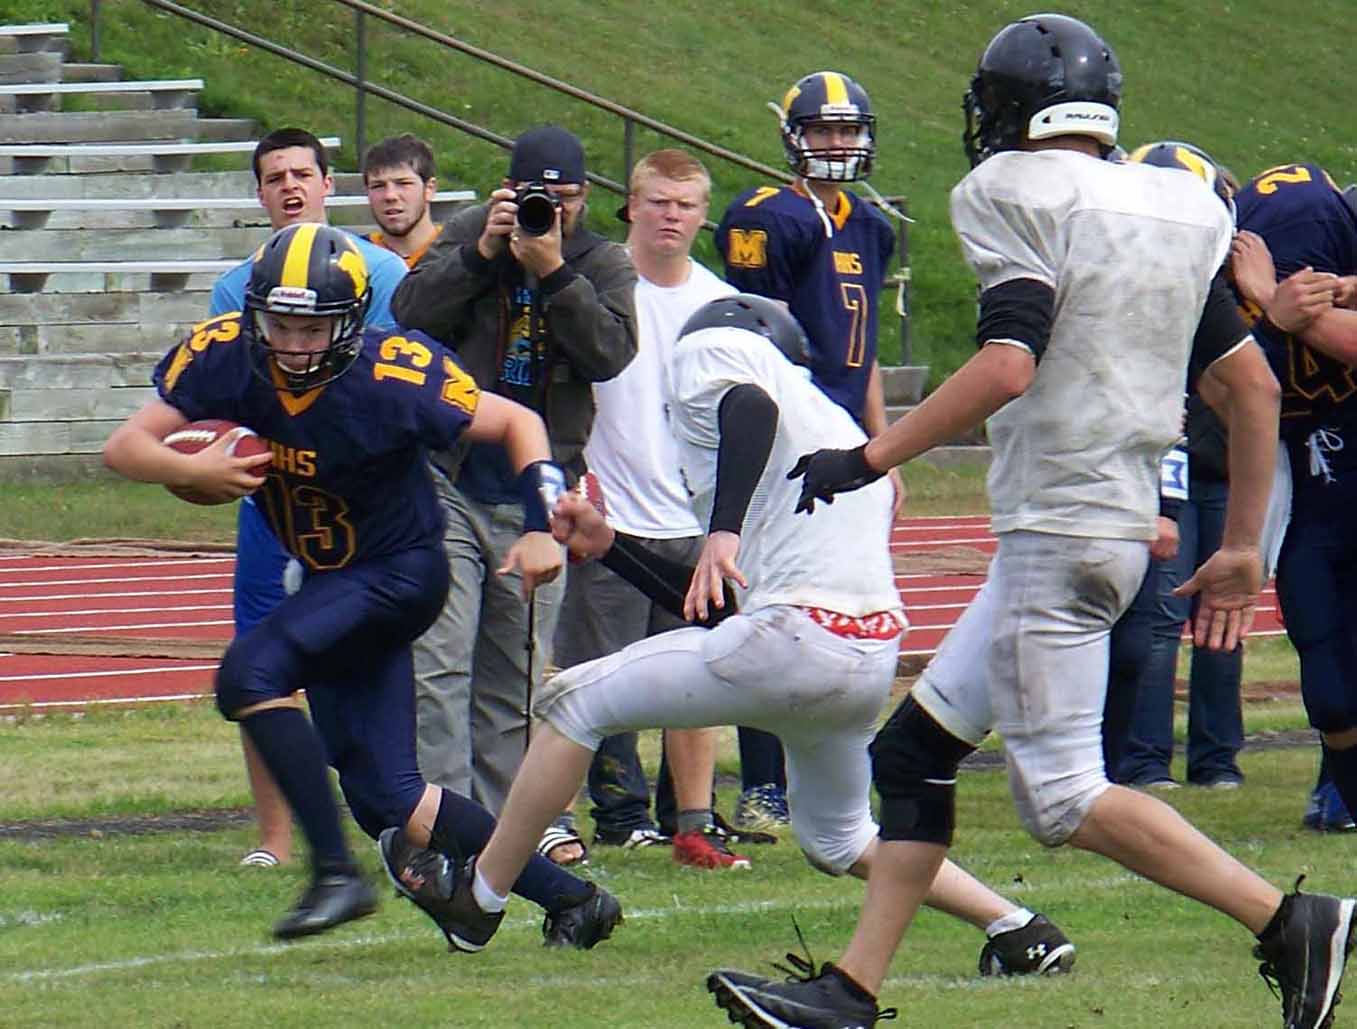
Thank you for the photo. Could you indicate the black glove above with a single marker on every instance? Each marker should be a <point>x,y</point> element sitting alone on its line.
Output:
<point>831,471</point>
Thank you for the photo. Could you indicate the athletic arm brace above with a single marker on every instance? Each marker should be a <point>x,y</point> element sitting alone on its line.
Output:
<point>540,485</point>
<point>662,580</point>
<point>748,423</point>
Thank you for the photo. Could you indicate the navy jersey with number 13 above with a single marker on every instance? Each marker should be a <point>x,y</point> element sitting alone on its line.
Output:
<point>774,243</point>
<point>349,479</point>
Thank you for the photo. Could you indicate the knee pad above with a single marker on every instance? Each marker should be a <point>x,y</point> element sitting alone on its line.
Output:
<point>255,668</point>
<point>230,682</point>
<point>914,768</point>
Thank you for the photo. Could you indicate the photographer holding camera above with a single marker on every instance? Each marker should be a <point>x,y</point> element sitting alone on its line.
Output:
<point>537,308</point>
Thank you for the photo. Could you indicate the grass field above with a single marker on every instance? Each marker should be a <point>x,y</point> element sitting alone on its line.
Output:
<point>164,930</point>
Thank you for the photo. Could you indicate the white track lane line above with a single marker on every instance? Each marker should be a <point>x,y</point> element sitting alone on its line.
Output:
<point>121,578</point>
<point>111,673</point>
<point>122,628</point>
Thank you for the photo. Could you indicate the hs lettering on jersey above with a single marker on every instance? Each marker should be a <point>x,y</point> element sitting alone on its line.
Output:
<point>292,461</point>
<point>847,263</point>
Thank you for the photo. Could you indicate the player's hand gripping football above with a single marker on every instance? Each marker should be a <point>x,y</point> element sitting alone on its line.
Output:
<point>715,565</point>
<point>215,473</point>
<point>828,472</point>
<point>1229,583</point>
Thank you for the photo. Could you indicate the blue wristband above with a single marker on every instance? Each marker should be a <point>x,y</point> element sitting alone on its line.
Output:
<point>540,485</point>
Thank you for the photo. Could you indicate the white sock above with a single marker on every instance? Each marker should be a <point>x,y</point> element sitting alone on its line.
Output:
<point>1014,920</point>
<point>486,899</point>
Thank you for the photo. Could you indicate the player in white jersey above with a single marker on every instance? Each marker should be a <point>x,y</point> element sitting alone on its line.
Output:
<point>1096,278</point>
<point>812,652</point>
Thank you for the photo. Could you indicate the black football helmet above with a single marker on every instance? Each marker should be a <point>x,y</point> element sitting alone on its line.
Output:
<point>760,315</point>
<point>1042,76</point>
<point>312,270</point>
<point>1172,153</point>
<point>827,96</point>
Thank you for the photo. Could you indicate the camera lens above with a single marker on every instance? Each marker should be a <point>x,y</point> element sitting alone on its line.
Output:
<point>536,210</point>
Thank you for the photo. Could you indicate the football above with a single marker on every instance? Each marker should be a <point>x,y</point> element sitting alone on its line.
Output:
<point>194,436</point>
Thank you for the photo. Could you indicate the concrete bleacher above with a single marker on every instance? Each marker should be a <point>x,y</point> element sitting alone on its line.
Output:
<point>113,241</point>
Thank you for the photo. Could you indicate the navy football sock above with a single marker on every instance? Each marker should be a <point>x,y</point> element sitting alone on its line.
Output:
<point>1342,765</point>
<point>292,751</point>
<point>463,827</point>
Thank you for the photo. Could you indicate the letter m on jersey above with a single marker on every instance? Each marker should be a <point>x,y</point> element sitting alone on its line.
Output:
<point>748,248</point>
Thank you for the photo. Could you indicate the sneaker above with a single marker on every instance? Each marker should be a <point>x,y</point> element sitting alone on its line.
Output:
<point>428,880</point>
<point>705,848</point>
<point>1326,811</point>
<point>329,901</point>
<point>636,839</point>
<point>830,1000</point>
<point>1160,785</point>
<point>1038,948</point>
<point>584,923</point>
<point>1303,952</point>
<point>762,809</point>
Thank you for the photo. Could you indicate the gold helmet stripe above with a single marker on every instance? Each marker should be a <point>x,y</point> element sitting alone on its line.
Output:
<point>836,90</point>
<point>297,260</point>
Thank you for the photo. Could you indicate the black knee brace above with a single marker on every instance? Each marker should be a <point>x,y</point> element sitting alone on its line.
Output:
<point>914,767</point>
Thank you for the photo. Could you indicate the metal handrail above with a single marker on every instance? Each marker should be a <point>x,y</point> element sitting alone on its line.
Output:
<point>362,87</point>
<point>626,113</point>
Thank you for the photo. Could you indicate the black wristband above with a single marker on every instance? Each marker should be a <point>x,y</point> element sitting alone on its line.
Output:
<point>540,485</point>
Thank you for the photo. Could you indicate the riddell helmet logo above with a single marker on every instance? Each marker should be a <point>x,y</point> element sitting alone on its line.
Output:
<point>292,296</point>
<point>1084,116</point>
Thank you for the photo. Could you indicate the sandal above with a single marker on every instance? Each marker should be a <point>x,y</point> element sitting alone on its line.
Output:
<point>260,858</point>
<point>561,833</point>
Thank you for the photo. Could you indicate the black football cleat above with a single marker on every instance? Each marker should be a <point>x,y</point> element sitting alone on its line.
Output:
<point>585,923</point>
<point>329,901</point>
<point>1038,948</point>
<point>1303,952</point>
<point>427,879</point>
<point>830,1000</point>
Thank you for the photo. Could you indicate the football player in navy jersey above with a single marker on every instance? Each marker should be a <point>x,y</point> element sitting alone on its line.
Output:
<point>350,415</point>
<point>1298,236</point>
<point>815,245</point>
<point>823,252</point>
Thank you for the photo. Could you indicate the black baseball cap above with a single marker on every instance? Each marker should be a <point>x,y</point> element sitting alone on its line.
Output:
<point>549,154</point>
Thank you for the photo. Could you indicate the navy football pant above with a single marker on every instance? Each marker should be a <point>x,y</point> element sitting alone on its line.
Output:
<point>345,638</point>
<point>1317,590</point>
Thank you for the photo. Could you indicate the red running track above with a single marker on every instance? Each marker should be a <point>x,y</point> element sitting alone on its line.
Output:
<point>189,598</point>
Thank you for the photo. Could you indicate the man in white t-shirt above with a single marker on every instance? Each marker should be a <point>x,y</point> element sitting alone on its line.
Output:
<point>633,454</point>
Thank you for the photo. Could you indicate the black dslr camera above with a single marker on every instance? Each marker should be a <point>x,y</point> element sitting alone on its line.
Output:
<point>537,208</point>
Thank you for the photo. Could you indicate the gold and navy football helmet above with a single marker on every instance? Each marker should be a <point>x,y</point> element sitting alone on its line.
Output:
<point>1172,153</point>
<point>827,96</point>
<point>311,270</point>
<point>1042,76</point>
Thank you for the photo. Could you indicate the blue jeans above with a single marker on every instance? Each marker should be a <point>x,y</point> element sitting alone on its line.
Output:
<point>1215,724</point>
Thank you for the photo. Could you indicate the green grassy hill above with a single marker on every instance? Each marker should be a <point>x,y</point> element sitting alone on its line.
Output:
<point>1254,84</point>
